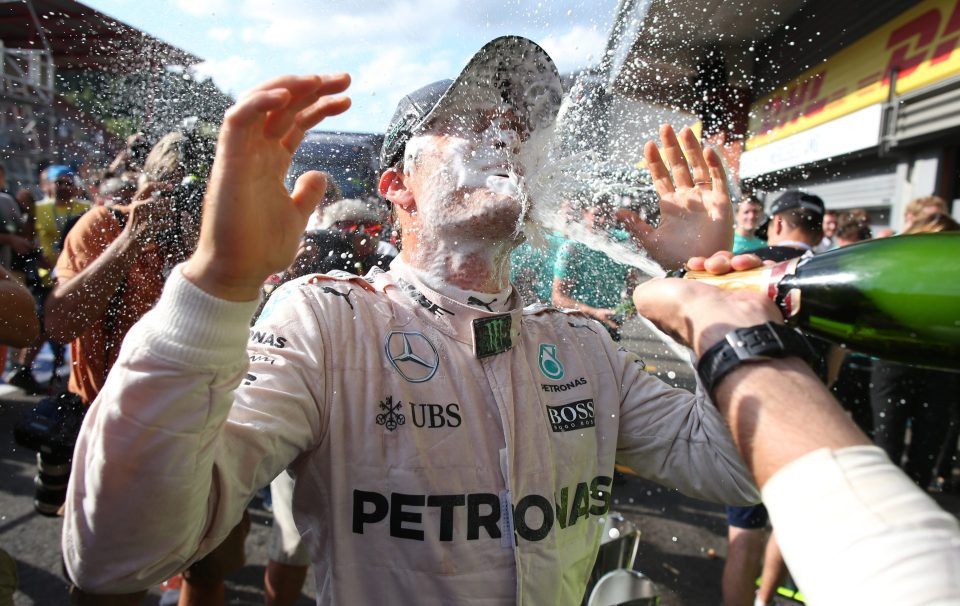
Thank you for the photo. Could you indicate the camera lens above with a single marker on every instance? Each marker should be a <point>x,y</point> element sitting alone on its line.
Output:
<point>50,483</point>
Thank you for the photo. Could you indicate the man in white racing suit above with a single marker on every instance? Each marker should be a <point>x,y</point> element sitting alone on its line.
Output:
<point>448,446</point>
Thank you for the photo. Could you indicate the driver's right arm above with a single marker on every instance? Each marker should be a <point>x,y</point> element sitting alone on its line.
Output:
<point>171,450</point>
<point>185,431</point>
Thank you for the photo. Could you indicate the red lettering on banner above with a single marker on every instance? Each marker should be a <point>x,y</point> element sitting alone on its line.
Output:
<point>770,111</point>
<point>946,47</point>
<point>795,101</point>
<point>815,104</point>
<point>924,29</point>
<point>800,101</point>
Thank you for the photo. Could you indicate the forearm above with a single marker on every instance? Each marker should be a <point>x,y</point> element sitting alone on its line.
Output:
<point>855,530</point>
<point>76,303</point>
<point>144,499</point>
<point>679,439</point>
<point>18,323</point>
<point>562,299</point>
<point>771,425</point>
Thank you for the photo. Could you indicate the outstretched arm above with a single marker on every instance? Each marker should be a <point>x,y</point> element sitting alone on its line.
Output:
<point>171,435</point>
<point>851,525</point>
<point>770,429</point>
<point>696,217</point>
<point>562,298</point>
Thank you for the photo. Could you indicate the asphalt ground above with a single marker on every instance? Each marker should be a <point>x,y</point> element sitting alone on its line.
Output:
<point>682,546</point>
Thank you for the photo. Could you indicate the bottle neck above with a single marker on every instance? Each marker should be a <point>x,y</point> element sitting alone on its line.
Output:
<point>757,280</point>
<point>770,280</point>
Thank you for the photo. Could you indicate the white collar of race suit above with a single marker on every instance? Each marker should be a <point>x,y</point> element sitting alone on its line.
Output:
<point>488,331</point>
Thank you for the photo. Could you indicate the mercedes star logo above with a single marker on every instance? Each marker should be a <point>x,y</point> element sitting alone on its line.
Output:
<point>412,355</point>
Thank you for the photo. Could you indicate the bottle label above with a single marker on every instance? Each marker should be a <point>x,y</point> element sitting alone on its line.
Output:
<point>788,301</point>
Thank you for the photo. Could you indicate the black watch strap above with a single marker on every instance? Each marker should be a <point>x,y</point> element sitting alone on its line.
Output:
<point>760,342</point>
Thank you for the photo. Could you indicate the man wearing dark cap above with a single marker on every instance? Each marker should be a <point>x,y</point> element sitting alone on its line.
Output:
<point>448,446</point>
<point>794,226</point>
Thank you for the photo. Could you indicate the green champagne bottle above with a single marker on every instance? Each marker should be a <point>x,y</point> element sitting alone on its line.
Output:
<point>894,298</point>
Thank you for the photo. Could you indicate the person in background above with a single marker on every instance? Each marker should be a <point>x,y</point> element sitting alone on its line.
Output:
<point>54,212</point>
<point>748,217</point>
<point>111,272</point>
<point>532,269</point>
<point>344,238</point>
<point>794,226</point>
<point>13,244</point>
<point>852,226</point>
<point>53,216</point>
<point>12,241</point>
<point>921,207</point>
<point>848,372</point>
<point>924,399</point>
<point>113,266</point>
<point>587,280</point>
<point>830,218</point>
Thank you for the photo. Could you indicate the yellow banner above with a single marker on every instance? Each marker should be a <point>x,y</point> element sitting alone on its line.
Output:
<point>919,44</point>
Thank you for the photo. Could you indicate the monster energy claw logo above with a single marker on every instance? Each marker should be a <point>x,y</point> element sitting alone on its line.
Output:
<point>550,366</point>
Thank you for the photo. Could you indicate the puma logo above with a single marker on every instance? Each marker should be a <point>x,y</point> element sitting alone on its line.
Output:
<point>345,295</point>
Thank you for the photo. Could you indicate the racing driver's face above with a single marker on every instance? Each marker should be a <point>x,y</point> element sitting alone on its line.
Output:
<point>464,174</point>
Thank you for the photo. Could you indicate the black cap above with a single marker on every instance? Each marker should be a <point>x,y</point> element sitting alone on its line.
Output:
<point>790,200</point>
<point>509,69</point>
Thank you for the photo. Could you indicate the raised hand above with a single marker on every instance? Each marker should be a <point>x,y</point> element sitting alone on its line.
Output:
<point>696,217</point>
<point>150,214</point>
<point>724,261</point>
<point>251,224</point>
<point>698,315</point>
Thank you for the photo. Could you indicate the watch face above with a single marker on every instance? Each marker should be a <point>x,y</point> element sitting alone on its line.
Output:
<point>754,343</point>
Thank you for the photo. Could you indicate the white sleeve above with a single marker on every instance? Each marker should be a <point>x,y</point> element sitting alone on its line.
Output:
<point>171,450</point>
<point>678,439</point>
<point>854,529</point>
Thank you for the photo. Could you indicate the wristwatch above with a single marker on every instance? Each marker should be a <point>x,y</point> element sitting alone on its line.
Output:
<point>752,344</point>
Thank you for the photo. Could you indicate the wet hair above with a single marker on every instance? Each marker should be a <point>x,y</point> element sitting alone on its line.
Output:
<point>916,207</point>
<point>935,223</point>
<point>808,222</point>
<point>853,226</point>
<point>163,163</point>
<point>180,154</point>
